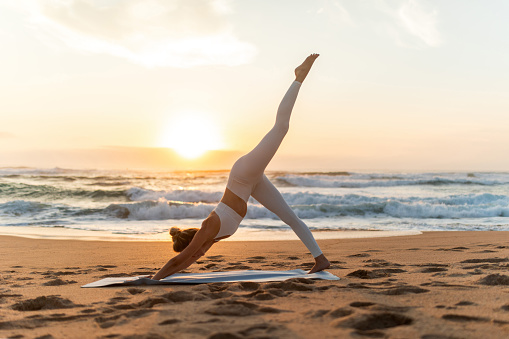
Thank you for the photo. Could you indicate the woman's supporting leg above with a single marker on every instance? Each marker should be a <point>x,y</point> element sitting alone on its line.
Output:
<point>268,195</point>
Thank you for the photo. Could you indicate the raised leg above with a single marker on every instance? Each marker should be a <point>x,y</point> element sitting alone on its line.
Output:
<point>253,164</point>
<point>268,195</point>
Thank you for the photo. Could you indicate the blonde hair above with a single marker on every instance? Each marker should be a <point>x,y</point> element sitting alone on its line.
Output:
<point>182,238</point>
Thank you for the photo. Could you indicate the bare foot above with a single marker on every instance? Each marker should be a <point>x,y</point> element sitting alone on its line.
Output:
<point>321,263</point>
<point>302,71</point>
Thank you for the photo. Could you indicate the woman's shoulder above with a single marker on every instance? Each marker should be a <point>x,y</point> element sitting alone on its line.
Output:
<point>211,225</point>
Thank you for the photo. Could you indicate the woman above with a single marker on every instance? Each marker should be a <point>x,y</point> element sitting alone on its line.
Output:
<point>247,179</point>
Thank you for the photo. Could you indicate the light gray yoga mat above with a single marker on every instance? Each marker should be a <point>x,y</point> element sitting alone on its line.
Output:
<point>202,278</point>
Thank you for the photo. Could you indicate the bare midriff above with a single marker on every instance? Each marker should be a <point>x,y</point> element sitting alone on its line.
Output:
<point>234,202</point>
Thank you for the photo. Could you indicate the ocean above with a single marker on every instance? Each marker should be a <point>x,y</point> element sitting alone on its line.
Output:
<point>144,204</point>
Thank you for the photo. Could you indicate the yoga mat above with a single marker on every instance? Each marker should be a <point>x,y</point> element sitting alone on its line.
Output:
<point>202,278</point>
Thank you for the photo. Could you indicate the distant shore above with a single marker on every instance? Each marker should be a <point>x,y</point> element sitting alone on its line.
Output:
<point>432,285</point>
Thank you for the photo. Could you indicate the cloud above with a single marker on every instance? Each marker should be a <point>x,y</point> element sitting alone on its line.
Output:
<point>419,22</point>
<point>409,23</point>
<point>152,33</point>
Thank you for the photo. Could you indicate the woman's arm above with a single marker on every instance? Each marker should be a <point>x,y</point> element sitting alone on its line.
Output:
<point>192,260</point>
<point>201,242</point>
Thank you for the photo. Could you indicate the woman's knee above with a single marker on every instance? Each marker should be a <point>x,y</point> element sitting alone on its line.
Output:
<point>282,128</point>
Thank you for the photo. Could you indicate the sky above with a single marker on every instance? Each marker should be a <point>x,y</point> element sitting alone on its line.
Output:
<point>403,85</point>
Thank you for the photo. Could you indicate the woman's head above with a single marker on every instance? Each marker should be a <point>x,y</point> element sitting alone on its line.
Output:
<point>182,238</point>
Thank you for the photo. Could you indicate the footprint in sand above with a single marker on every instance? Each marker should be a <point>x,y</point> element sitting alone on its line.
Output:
<point>289,285</point>
<point>58,273</point>
<point>359,255</point>
<point>457,249</point>
<point>375,321</point>
<point>494,280</point>
<point>463,318</point>
<point>444,284</point>
<point>59,282</point>
<point>256,259</point>
<point>337,262</point>
<point>256,331</point>
<point>379,263</point>
<point>215,258</point>
<point>134,290</point>
<point>335,314</point>
<point>263,331</point>
<point>380,273</point>
<point>216,287</point>
<point>267,294</point>
<point>486,260</point>
<point>237,267</point>
<point>433,270</point>
<point>476,271</point>
<point>249,285</point>
<point>169,322</point>
<point>107,322</point>
<point>183,296</point>
<point>401,290</point>
<point>115,275</point>
<point>43,303</point>
<point>361,304</point>
<point>218,295</point>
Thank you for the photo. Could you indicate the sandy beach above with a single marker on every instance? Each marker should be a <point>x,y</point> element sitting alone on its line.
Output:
<point>435,285</point>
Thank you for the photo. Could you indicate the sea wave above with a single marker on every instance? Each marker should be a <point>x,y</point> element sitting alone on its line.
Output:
<point>309,206</point>
<point>305,205</point>
<point>364,181</point>
<point>49,192</point>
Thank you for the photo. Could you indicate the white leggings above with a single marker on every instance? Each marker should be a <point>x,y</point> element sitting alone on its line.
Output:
<point>247,178</point>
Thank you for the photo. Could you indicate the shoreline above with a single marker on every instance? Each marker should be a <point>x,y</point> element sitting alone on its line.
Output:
<point>440,284</point>
<point>62,233</point>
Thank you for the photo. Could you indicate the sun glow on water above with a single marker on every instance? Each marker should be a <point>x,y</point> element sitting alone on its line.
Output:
<point>191,134</point>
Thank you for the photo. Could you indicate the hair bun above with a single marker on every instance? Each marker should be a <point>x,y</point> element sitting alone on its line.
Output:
<point>174,231</point>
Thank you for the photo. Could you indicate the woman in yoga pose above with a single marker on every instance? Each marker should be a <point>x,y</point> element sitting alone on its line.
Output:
<point>247,179</point>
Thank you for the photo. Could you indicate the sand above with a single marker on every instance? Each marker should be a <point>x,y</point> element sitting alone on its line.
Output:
<point>431,286</point>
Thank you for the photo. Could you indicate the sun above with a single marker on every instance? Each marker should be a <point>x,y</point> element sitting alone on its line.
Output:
<point>191,134</point>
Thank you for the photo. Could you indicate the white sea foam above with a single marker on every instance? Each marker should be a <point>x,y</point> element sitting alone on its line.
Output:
<point>137,202</point>
<point>140,194</point>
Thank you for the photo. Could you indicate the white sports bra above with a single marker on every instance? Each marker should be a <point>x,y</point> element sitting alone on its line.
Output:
<point>230,220</point>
